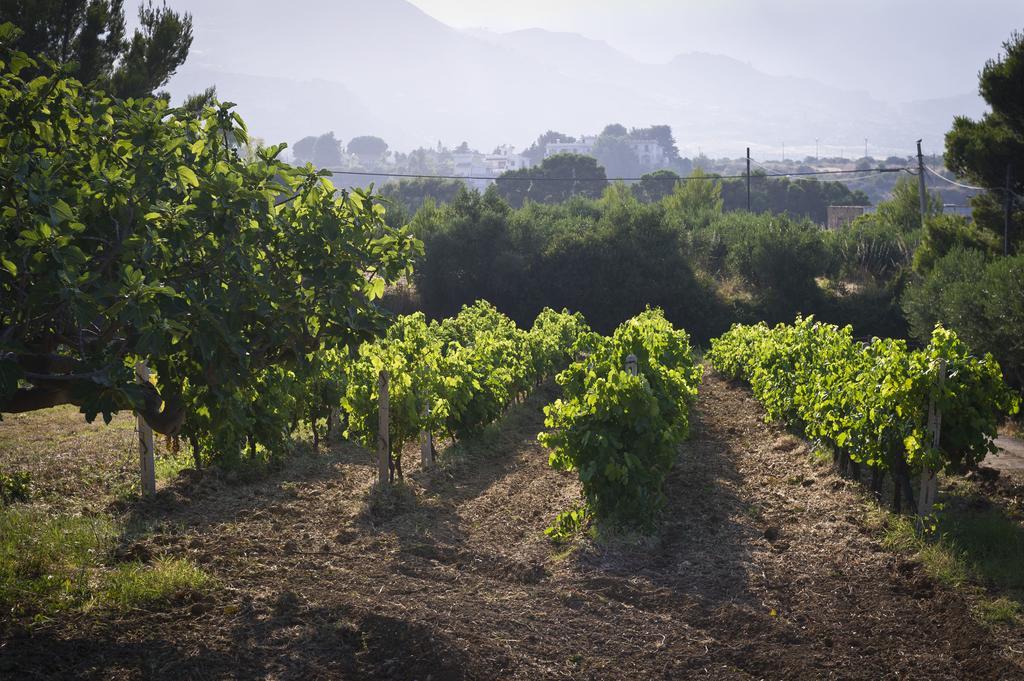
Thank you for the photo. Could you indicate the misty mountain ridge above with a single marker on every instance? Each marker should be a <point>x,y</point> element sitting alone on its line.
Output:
<point>389,69</point>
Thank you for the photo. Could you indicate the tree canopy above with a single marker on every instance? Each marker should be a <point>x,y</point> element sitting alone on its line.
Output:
<point>984,151</point>
<point>903,207</point>
<point>557,178</point>
<point>614,130</point>
<point>323,151</point>
<point>616,155</point>
<point>368,148</point>
<point>91,34</point>
<point>657,185</point>
<point>662,134</point>
<point>137,232</point>
<point>538,149</point>
<point>695,202</point>
<point>410,194</point>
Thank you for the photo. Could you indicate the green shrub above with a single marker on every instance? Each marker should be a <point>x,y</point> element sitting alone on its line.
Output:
<point>774,253</point>
<point>981,299</point>
<point>943,233</point>
<point>871,249</point>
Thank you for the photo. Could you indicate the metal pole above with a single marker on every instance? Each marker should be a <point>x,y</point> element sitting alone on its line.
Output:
<point>748,179</point>
<point>920,183</point>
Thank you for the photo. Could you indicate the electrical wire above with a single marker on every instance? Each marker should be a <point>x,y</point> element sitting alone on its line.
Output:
<point>605,179</point>
<point>869,172</point>
<point>968,186</point>
<point>958,184</point>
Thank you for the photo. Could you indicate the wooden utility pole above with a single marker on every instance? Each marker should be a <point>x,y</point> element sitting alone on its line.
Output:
<point>1007,208</point>
<point>748,179</point>
<point>147,464</point>
<point>383,431</point>
<point>920,183</point>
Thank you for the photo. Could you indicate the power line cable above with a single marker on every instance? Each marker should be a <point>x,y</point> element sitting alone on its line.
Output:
<point>604,179</point>
<point>868,172</point>
<point>972,187</point>
<point>953,182</point>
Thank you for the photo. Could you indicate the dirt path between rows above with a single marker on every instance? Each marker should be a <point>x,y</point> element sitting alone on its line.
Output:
<point>1010,457</point>
<point>762,569</point>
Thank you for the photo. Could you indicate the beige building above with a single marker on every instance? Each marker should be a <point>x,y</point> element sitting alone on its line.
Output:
<point>840,216</point>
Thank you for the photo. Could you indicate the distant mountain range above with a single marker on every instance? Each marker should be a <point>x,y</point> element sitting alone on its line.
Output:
<point>387,68</point>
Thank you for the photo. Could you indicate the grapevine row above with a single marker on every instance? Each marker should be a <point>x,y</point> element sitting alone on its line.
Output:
<point>872,404</point>
<point>447,378</point>
<point>620,427</point>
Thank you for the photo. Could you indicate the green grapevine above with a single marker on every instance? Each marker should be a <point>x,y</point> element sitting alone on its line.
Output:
<point>454,377</point>
<point>870,403</point>
<point>620,431</point>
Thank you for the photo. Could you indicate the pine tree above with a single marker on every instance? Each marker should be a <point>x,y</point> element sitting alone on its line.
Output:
<point>90,36</point>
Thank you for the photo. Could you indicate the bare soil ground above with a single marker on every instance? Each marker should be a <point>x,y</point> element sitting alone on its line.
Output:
<point>763,568</point>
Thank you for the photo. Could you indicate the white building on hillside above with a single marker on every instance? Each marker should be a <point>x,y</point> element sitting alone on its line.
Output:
<point>584,146</point>
<point>465,164</point>
<point>504,160</point>
<point>478,168</point>
<point>649,153</point>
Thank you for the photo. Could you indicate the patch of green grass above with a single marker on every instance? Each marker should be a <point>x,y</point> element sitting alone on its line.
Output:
<point>48,564</point>
<point>168,464</point>
<point>55,563</point>
<point>969,546</point>
<point>941,558</point>
<point>821,456</point>
<point>134,584</point>
<point>944,562</point>
<point>898,533</point>
<point>998,611</point>
<point>991,544</point>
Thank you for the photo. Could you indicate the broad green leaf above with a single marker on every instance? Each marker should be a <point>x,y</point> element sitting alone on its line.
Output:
<point>187,176</point>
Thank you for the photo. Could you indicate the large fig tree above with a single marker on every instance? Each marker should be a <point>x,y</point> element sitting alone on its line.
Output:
<point>131,231</point>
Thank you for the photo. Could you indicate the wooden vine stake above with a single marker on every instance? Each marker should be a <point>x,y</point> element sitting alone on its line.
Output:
<point>929,478</point>
<point>147,466</point>
<point>383,430</point>
<point>426,445</point>
<point>335,431</point>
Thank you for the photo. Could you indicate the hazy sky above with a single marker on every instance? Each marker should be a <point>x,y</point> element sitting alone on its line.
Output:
<point>895,49</point>
<point>373,67</point>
